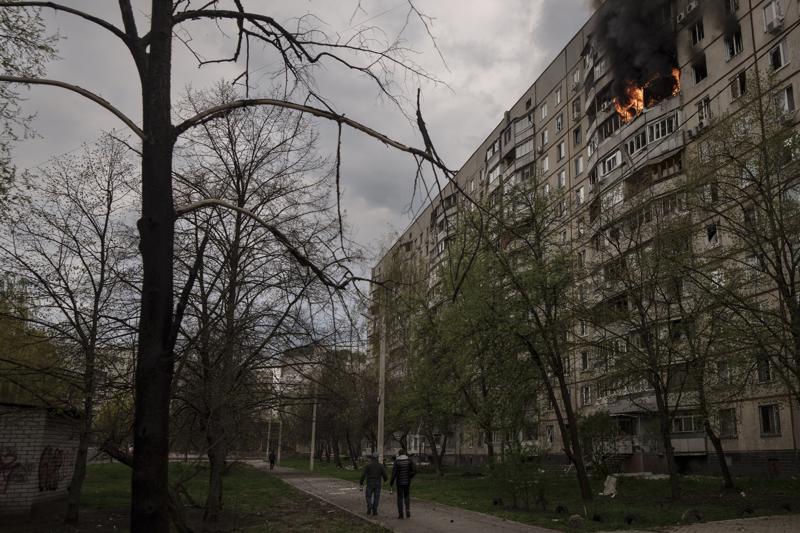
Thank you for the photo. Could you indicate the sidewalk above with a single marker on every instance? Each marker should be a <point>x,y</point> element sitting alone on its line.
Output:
<point>425,516</point>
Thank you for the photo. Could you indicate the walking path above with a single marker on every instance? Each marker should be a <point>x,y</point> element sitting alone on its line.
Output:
<point>425,516</point>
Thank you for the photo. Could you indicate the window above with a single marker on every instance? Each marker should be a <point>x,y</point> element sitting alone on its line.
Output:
<point>586,395</point>
<point>727,423</point>
<point>773,15</point>
<point>687,424</point>
<point>739,85</point>
<point>525,148</point>
<point>770,420</point>
<point>562,179</point>
<point>583,329</point>
<point>579,165</point>
<point>546,189</point>
<point>734,44</point>
<point>494,173</point>
<point>550,433</point>
<point>579,196</point>
<point>544,110</point>
<point>576,136</point>
<point>700,70</point>
<point>610,163</point>
<point>776,58</point>
<point>786,99</point>
<point>576,108</point>
<point>731,6</point>
<point>704,109</point>
<point>527,104</point>
<point>712,235</point>
<point>662,128</point>
<point>609,127</point>
<point>562,150</point>
<point>584,360</point>
<point>637,142</point>
<point>545,137</point>
<point>546,163</point>
<point>493,149</point>
<point>764,369</point>
<point>560,122</point>
<point>576,76</point>
<point>698,33</point>
<point>562,210</point>
<point>558,96</point>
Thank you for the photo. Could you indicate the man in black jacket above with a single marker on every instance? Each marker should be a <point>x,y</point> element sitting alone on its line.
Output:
<point>375,474</point>
<point>402,472</point>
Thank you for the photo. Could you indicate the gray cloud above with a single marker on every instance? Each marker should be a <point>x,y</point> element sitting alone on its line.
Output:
<point>494,51</point>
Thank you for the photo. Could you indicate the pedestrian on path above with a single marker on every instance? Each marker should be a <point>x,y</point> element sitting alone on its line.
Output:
<point>375,474</point>
<point>402,473</point>
<point>271,459</point>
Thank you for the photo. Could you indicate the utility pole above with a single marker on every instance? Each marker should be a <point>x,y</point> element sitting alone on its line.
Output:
<point>313,431</point>
<point>280,436</point>
<point>269,435</point>
<point>382,384</point>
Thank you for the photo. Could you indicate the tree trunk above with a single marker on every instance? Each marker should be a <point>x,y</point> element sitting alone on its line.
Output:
<point>154,361</point>
<point>78,474</point>
<point>666,441</point>
<point>351,450</point>
<point>216,463</point>
<point>337,458</point>
<point>82,453</point>
<point>438,457</point>
<point>727,479</point>
<point>576,450</point>
<point>487,435</point>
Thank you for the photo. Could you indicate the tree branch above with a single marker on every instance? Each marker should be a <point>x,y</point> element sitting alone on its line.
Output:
<point>278,234</point>
<point>86,16</point>
<point>220,110</point>
<point>80,90</point>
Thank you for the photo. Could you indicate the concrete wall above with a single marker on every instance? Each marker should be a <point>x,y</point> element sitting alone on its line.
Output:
<point>37,457</point>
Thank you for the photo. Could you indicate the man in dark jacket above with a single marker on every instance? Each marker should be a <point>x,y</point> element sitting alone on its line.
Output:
<point>402,472</point>
<point>375,474</point>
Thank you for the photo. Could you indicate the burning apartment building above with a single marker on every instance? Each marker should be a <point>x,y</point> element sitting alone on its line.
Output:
<point>615,115</point>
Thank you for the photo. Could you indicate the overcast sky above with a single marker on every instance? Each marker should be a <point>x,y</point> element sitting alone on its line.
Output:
<point>494,50</point>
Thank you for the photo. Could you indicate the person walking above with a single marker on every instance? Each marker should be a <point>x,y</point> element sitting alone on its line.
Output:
<point>375,474</point>
<point>271,459</point>
<point>403,472</point>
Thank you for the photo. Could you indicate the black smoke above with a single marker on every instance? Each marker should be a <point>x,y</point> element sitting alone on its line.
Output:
<point>638,40</point>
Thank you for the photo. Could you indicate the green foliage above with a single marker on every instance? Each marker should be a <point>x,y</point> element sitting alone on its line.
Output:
<point>25,50</point>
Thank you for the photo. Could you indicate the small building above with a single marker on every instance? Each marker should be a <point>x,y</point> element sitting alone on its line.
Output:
<point>38,446</point>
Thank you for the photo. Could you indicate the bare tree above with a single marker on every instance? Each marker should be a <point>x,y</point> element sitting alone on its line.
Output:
<point>298,49</point>
<point>249,299</point>
<point>70,244</point>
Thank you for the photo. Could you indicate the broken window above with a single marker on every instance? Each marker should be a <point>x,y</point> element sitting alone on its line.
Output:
<point>770,420</point>
<point>734,44</point>
<point>712,234</point>
<point>698,33</point>
<point>739,85</point>
<point>699,69</point>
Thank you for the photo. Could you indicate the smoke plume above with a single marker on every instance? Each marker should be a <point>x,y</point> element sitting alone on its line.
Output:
<point>639,42</point>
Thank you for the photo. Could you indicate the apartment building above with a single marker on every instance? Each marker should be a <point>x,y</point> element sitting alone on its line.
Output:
<point>591,157</point>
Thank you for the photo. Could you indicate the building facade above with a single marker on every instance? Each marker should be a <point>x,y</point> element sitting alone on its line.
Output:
<point>591,155</point>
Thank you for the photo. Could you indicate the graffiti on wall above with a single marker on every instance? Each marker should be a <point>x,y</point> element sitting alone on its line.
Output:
<point>12,470</point>
<point>50,463</point>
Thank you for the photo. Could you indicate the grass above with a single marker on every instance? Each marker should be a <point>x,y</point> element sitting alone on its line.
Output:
<point>639,503</point>
<point>255,501</point>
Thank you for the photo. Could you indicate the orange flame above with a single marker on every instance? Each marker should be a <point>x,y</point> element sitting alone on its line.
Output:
<point>634,103</point>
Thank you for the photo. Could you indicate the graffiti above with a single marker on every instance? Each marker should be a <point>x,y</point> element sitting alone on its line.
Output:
<point>50,464</point>
<point>8,465</point>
